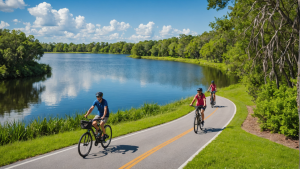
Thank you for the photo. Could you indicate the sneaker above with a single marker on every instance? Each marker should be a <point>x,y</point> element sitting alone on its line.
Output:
<point>104,137</point>
<point>202,123</point>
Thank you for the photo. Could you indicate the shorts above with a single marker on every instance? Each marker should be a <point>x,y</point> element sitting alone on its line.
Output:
<point>98,118</point>
<point>213,92</point>
<point>201,108</point>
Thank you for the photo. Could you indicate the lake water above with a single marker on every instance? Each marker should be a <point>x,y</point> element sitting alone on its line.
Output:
<point>125,82</point>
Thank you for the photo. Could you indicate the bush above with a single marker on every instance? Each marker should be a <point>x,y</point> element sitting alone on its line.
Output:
<point>277,109</point>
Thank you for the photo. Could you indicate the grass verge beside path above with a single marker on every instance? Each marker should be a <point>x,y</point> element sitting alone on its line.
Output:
<point>202,62</point>
<point>236,148</point>
<point>21,150</point>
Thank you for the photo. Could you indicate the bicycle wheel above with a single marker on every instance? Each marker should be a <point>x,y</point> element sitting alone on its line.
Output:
<point>199,122</point>
<point>85,144</point>
<point>196,124</point>
<point>107,141</point>
<point>212,101</point>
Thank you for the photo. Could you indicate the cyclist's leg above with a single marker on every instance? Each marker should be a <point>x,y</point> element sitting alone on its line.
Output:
<point>202,113</point>
<point>95,122</point>
<point>102,123</point>
<point>215,96</point>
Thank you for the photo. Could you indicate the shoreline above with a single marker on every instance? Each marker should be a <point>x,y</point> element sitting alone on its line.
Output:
<point>200,62</point>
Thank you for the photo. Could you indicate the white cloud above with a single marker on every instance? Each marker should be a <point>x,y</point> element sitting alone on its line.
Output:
<point>145,30</point>
<point>169,31</point>
<point>114,25</point>
<point>16,21</point>
<point>10,5</point>
<point>90,28</point>
<point>113,36</point>
<point>80,21</point>
<point>166,30</point>
<point>184,31</point>
<point>45,15</point>
<point>69,34</point>
<point>3,24</point>
<point>138,37</point>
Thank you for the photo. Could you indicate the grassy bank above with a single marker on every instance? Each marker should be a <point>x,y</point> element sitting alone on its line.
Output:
<point>236,148</point>
<point>24,149</point>
<point>201,62</point>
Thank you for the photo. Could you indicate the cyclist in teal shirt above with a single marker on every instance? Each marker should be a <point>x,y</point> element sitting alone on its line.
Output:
<point>103,114</point>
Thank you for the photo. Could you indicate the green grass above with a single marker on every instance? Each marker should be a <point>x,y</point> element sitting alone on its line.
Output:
<point>236,148</point>
<point>202,62</point>
<point>24,149</point>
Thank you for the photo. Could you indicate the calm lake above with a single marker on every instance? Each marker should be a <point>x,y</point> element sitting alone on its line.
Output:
<point>125,82</point>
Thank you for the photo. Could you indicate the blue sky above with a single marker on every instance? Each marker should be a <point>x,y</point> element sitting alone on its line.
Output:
<point>108,21</point>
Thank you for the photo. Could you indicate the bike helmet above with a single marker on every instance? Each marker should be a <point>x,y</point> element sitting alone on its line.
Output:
<point>212,81</point>
<point>199,89</point>
<point>99,94</point>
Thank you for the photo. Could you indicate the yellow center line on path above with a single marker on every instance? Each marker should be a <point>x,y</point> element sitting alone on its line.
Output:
<point>153,150</point>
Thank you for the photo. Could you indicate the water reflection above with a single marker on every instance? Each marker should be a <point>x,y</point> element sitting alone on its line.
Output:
<point>126,83</point>
<point>18,94</point>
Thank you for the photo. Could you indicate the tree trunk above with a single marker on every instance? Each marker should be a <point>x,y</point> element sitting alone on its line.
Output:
<point>298,81</point>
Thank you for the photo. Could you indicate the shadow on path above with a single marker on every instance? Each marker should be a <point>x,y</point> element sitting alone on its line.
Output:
<point>122,149</point>
<point>216,106</point>
<point>210,130</point>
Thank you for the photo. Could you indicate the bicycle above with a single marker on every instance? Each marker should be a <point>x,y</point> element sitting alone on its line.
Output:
<point>86,141</point>
<point>212,99</point>
<point>197,119</point>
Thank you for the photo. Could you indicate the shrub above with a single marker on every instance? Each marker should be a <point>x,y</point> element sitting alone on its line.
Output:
<point>277,109</point>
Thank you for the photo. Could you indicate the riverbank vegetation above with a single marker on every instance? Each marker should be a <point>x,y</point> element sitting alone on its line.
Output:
<point>15,131</point>
<point>19,55</point>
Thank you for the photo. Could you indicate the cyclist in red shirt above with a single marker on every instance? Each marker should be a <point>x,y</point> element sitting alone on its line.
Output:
<point>213,88</point>
<point>201,101</point>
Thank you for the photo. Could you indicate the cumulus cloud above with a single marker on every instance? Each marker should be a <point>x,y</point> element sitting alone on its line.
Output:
<point>145,30</point>
<point>10,5</point>
<point>114,36</point>
<point>166,30</point>
<point>44,14</point>
<point>184,31</point>
<point>169,31</point>
<point>80,22</point>
<point>3,24</point>
<point>16,21</point>
<point>114,25</point>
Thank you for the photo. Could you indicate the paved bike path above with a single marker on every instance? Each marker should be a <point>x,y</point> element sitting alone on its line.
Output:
<point>168,145</point>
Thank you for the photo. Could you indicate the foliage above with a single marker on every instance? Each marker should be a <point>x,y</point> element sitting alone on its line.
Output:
<point>19,55</point>
<point>277,109</point>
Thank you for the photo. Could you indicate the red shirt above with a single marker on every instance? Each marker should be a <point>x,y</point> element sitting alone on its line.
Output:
<point>200,101</point>
<point>213,87</point>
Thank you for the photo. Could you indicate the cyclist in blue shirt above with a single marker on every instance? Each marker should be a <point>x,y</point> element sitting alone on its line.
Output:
<point>103,114</point>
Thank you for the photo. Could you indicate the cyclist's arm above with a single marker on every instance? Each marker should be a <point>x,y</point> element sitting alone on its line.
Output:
<point>193,101</point>
<point>209,88</point>
<point>105,111</point>
<point>204,100</point>
<point>89,111</point>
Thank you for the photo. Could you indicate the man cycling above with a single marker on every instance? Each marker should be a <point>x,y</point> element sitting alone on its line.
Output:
<point>213,88</point>
<point>103,114</point>
<point>201,101</point>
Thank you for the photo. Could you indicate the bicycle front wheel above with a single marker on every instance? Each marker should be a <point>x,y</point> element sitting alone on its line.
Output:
<point>196,124</point>
<point>107,141</point>
<point>85,144</point>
